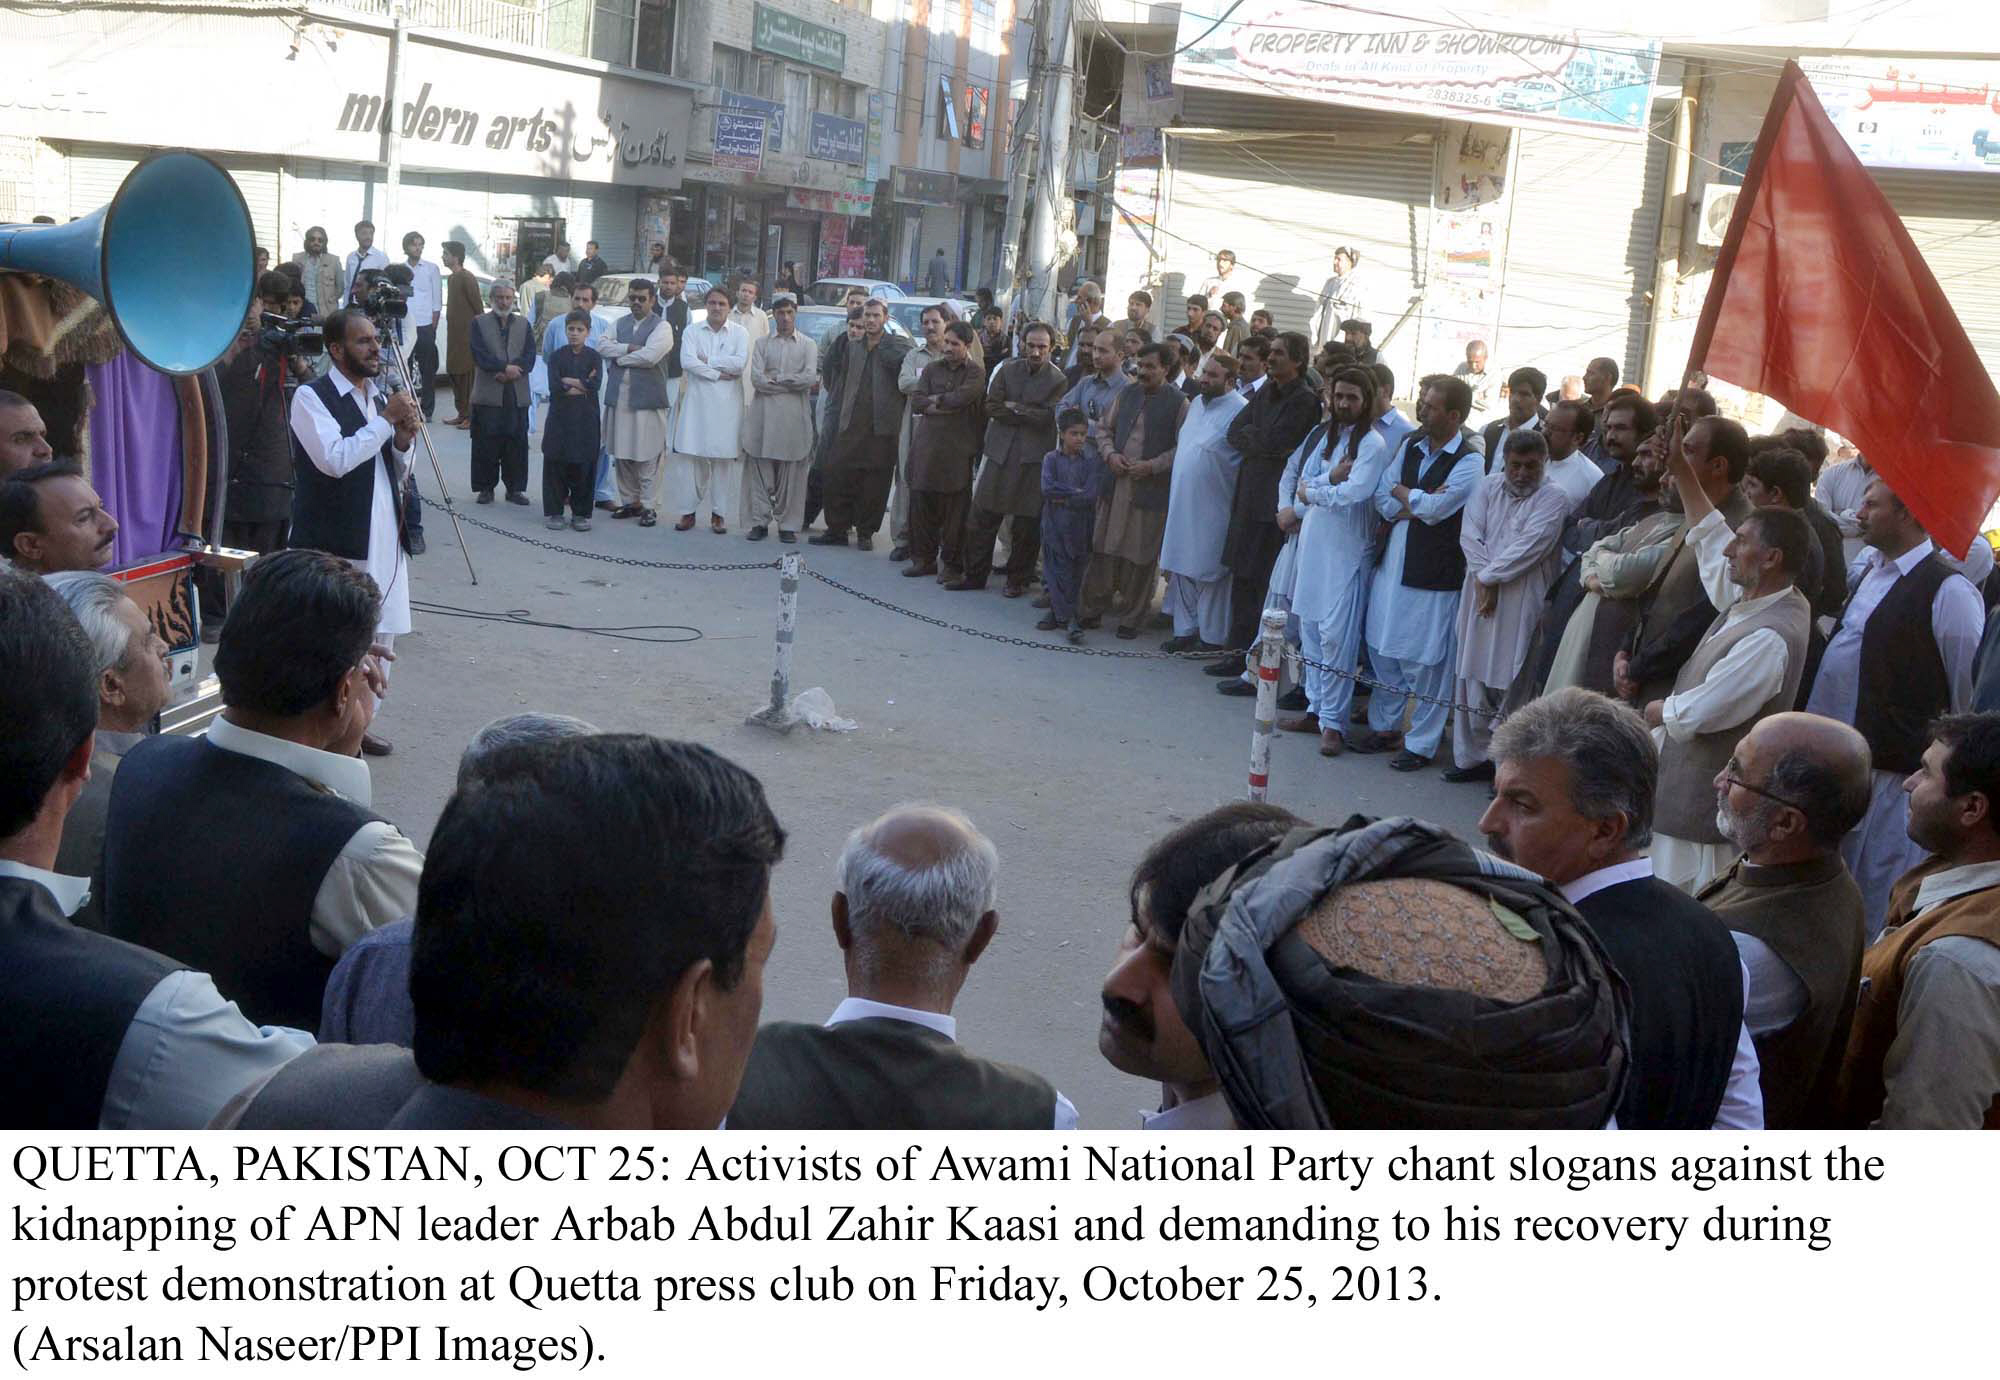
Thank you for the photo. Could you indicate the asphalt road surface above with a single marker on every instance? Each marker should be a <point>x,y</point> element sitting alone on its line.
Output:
<point>1071,764</point>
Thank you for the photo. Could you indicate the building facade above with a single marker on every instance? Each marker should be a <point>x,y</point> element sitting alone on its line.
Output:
<point>506,149</point>
<point>786,150</point>
<point>1555,204</point>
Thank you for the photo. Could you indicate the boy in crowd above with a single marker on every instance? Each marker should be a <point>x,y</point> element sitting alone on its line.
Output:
<point>1070,480</point>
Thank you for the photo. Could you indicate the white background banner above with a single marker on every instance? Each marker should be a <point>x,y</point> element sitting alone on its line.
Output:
<point>875,1254</point>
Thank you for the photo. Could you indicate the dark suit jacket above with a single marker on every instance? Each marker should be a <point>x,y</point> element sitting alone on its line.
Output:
<point>81,853</point>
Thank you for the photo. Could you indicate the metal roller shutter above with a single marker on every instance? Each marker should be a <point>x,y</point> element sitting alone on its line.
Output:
<point>1955,220</point>
<point>1320,177</point>
<point>1284,203</point>
<point>939,230</point>
<point>96,170</point>
<point>1578,274</point>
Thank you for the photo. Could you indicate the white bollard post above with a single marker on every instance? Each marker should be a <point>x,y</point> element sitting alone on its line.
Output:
<point>778,713</point>
<point>1270,655</point>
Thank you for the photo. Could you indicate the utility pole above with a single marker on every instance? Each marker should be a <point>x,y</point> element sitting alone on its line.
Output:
<point>1026,135</point>
<point>1052,197</point>
<point>392,130</point>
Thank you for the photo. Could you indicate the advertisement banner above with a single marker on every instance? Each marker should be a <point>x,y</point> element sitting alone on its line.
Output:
<point>917,187</point>
<point>1539,75</point>
<point>831,203</point>
<point>875,117</point>
<point>739,140</point>
<point>839,140</point>
<point>787,36</point>
<point>1913,113</point>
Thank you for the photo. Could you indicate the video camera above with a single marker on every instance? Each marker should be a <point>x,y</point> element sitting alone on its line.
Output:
<point>380,297</point>
<point>298,336</point>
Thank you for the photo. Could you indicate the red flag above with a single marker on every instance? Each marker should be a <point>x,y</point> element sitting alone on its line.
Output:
<point>1821,301</point>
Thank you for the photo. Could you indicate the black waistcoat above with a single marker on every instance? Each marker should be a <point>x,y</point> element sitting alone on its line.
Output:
<point>1432,559</point>
<point>1903,681</point>
<point>71,994</point>
<point>1162,414</point>
<point>239,905</point>
<point>328,514</point>
<point>882,1074</point>
<point>1687,1001</point>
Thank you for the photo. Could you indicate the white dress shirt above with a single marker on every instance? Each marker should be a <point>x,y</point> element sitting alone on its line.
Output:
<point>374,880</point>
<point>1209,1113</point>
<point>358,259</point>
<point>426,293</point>
<point>1958,620</point>
<point>335,455</point>
<point>1576,476</point>
<point>1777,995</point>
<point>1840,489</point>
<point>186,1052</point>
<point>862,1009</point>
<point>1742,1106</point>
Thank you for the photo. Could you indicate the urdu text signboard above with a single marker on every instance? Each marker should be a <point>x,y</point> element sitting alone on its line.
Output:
<point>1538,75</point>
<point>739,140</point>
<point>787,36</point>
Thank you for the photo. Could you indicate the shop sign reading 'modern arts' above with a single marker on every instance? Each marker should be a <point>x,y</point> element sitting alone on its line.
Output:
<point>572,141</point>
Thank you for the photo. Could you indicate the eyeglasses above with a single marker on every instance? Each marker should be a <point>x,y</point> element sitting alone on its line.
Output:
<point>1734,780</point>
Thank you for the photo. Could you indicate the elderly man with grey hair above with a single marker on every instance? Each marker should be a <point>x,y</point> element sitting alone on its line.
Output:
<point>367,999</point>
<point>1573,800</point>
<point>131,688</point>
<point>912,913</point>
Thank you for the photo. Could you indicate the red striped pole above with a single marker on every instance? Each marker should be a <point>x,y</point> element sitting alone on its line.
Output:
<point>1270,655</point>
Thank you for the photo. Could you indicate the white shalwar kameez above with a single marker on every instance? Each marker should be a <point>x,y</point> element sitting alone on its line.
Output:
<point>1513,543</point>
<point>1204,483</point>
<point>704,472</point>
<point>1330,588</point>
<point>1412,633</point>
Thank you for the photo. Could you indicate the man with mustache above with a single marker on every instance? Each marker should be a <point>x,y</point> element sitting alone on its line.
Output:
<point>1573,800</point>
<point>51,519</point>
<point>1789,793</point>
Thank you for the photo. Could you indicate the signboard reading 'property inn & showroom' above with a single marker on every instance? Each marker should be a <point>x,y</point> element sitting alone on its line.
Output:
<point>1531,75</point>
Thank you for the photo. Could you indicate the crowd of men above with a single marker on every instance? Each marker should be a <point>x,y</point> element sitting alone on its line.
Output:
<point>1732,707</point>
<point>1273,972</point>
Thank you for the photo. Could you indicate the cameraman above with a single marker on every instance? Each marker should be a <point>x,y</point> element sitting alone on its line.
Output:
<point>257,509</point>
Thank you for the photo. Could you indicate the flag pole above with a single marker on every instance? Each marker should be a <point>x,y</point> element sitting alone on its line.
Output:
<point>1753,179</point>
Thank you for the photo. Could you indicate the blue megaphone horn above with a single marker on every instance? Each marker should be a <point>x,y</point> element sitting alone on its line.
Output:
<point>169,257</point>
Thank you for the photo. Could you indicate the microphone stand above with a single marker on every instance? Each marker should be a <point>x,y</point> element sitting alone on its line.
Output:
<point>400,383</point>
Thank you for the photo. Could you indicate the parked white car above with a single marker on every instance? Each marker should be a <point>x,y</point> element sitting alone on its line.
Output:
<point>832,292</point>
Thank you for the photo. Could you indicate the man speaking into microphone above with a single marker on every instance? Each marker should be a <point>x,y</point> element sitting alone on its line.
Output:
<point>353,448</point>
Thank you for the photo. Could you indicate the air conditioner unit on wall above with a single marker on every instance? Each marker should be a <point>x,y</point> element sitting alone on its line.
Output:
<point>1718,206</point>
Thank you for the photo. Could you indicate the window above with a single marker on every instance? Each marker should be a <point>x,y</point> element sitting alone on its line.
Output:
<point>947,115</point>
<point>831,96</point>
<point>654,50</point>
<point>729,65</point>
<point>611,30</point>
<point>977,99</point>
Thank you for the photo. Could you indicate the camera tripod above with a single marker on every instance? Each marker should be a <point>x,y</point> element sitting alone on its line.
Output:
<point>400,383</point>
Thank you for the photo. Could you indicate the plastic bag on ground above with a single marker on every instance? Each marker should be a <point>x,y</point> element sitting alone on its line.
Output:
<point>814,709</point>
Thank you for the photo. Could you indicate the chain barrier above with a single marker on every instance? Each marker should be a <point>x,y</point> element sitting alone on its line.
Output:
<point>1293,657</point>
<point>1296,658</point>
<point>567,550</point>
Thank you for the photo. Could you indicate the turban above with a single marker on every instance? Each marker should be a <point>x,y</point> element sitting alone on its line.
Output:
<point>1386,975</point>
